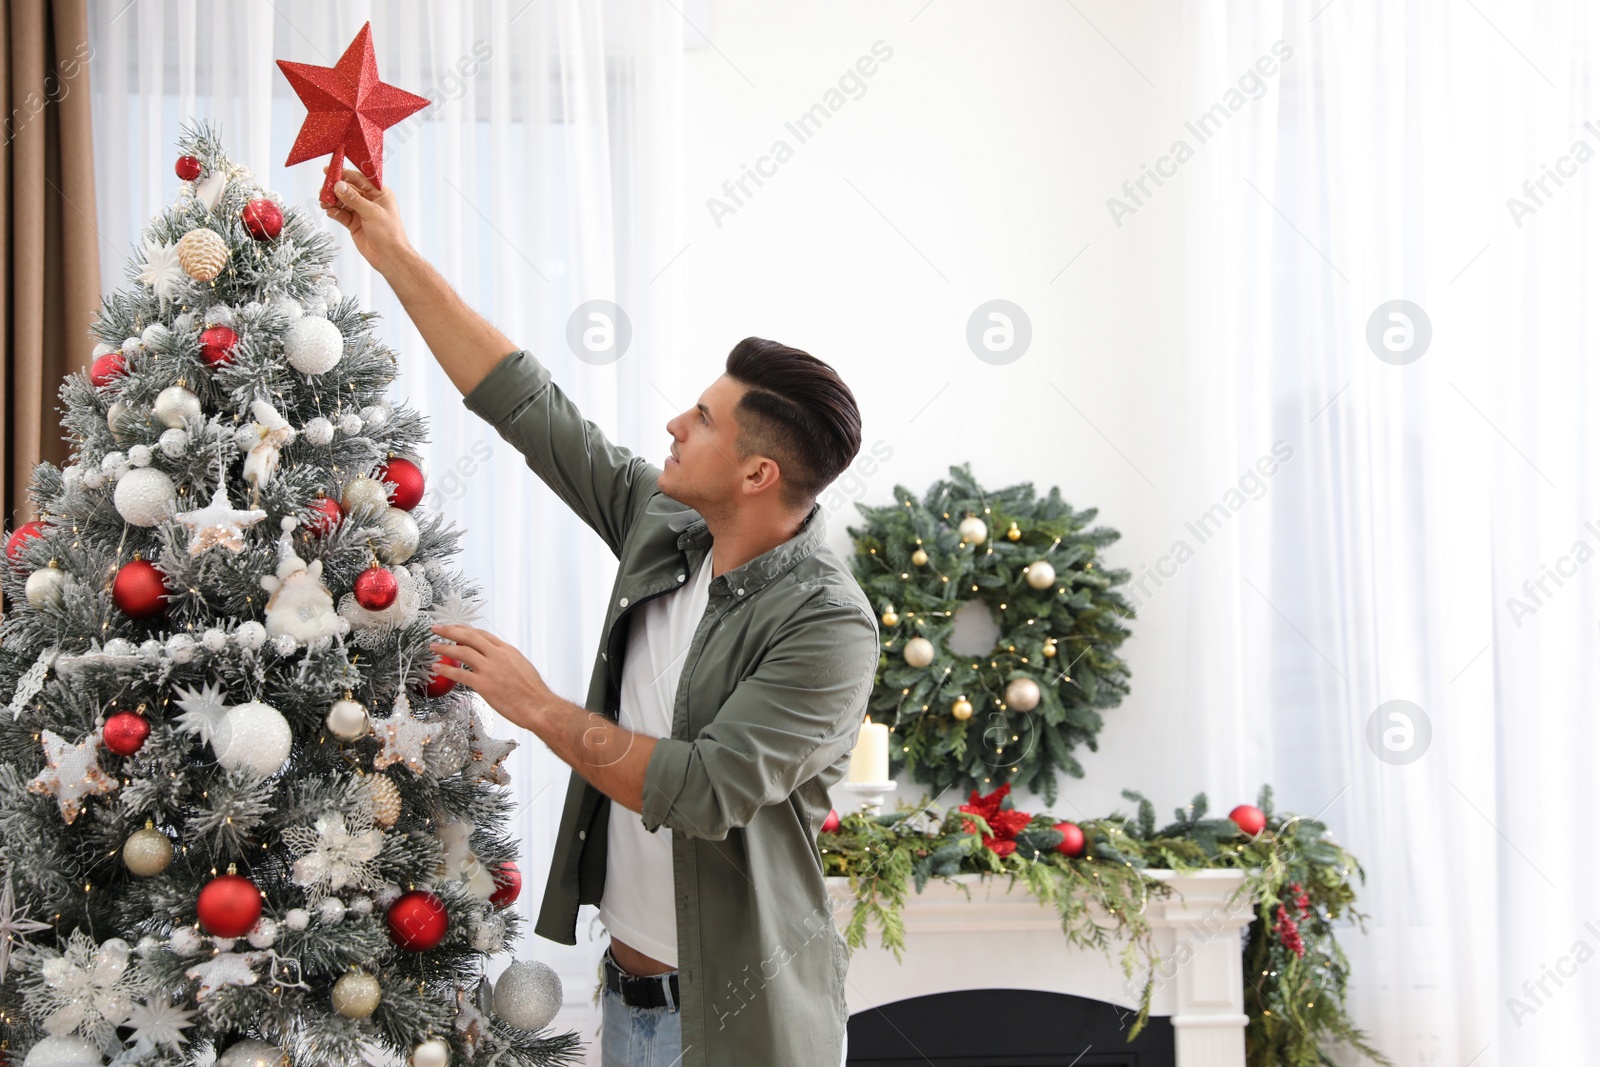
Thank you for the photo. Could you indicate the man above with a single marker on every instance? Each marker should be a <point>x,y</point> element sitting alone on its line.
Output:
<point>733,673</point>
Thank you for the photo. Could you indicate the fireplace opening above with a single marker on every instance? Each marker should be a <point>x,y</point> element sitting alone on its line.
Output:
<point>1005,1028</point>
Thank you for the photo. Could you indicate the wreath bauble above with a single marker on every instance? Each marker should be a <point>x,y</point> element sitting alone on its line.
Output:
<point>1016,714</point>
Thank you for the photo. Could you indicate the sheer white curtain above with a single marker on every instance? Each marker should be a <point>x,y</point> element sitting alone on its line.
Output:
<point>1390,556</point>
<point>545,175</point>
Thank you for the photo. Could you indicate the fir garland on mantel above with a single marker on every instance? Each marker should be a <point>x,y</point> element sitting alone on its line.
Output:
<point>1096,873</point>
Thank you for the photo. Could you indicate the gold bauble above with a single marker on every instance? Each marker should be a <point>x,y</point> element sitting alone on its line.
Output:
<point>431,1053</point>
<point>252,1053</point>
<point>202,253</point>
<point>1013,534</point>
<point>918,652</point>
<point>962,708</point>
<point>356,995</point>
<point>383,797</point>
<point>973,530</point>
<point>919,557</point>
<point>891,617</point>
<point>1041,575</point>
<point>1022,694</point>
<point>1049,648</point>
<point>147,852</point>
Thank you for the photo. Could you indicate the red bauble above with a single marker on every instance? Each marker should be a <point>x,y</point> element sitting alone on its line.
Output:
<point>107,369</point>
<point>507,885</point>
<point>125,732</point>
<point>1251,820</point>
<point>831,823</point>
<point>325,515</point>
<point>139,590</point>
<point>376,588</point>
<point>216,345</point>
<point>262,218</point>
<point>229,906</point>
<point>1071,839</point>
<point>406,477</point>
<point>188,168</point>
<point>21,536</point>
<point>438,685</point>
<point>418,921</point>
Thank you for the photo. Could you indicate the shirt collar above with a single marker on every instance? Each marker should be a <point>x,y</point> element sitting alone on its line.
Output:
<point>772,564</point>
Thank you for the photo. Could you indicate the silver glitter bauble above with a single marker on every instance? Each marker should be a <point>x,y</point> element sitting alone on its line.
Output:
<point>356,995</point>
<point>252,1053</point>
<point>528,995</point>
<point>364,494</point>
<point>400,535</point>
<point>147,852</point>
<point>313,345</point>
<point>145,496</point>
<point>68,1051</point>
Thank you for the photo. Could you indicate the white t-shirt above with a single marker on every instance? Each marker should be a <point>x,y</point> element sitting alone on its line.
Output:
<point>638,905</point>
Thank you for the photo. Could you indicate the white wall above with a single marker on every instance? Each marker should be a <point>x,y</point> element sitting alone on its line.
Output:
<point>990,141</point>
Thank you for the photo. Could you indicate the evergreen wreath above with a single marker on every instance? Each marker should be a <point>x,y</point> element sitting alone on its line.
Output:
<point>1015,714</point>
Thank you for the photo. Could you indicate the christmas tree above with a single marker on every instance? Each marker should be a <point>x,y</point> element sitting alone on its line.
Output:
<point>211,847</point>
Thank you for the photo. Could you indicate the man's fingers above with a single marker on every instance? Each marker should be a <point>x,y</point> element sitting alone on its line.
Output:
<point>360,181</point>
<point>469,636</point>
<point>465,653</point>
<point>458,675</point>
<point>352,199</point>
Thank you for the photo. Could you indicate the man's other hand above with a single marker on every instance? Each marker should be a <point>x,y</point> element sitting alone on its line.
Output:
<point>372,216</point>
<point>499,673</point>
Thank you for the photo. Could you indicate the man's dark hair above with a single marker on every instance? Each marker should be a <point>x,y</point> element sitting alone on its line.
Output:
<point>796,410</point>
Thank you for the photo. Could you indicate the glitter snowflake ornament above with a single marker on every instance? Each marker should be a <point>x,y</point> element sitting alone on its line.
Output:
<point>88,989</point>
<point>14,926</point>
<point>337,853</point>
<point>162,271</point>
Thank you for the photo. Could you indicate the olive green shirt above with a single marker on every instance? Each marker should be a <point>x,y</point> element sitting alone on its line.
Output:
<point>772,695</point>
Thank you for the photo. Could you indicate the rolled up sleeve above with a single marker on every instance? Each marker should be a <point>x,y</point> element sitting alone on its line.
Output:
<point>798,711</point>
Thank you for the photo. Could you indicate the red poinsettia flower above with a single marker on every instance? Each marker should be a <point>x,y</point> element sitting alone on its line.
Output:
<point>1003,825</point>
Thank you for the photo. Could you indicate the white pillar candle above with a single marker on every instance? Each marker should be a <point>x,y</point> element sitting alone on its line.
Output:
<point>869,760</point>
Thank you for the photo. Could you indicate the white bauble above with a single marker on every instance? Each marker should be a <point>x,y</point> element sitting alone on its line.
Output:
<point>153,335</point>
<point>332,910</point>
<point>145,496</point>
<point>1022,694</point>
<point>318,431</point>
<point>347,720</point>
<point>364,493</point>
<point>139,456</point>
<point>150,650</point>
<point>103,349</point>
<point>288,306</point>
<point>173,443</point>
<point>214,639</point>
<point>72,477</point>
<point>264,934</point>
<point>528,995</point>
<point>253,737</point>
<point>67,1051</point>
<point>250,635</point>
<point>431,1053</point>
<point>175,406</point>
<point>373,416</point>
<point>253,1053</point>
<point>400,535</point>
<point>1041,575</point>
<point>918,652</point>
<point>973,530</point>
<point>45,585</point>
<point>351,423</point>
<point>119,646</point>
<point>297,919</point>
<point>93,479</point>
<point>180,647</point>
<point>112,463</point>
<point>313,345</point>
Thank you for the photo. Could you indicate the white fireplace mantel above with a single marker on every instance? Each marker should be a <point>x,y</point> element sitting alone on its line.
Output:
<point>1004,931</point>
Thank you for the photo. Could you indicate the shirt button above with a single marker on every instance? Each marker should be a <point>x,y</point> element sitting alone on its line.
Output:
<point>681,577</point>
<point>622,603</point>
<point>741,592</point>
<point>582,834</point>
<point>602,655</point>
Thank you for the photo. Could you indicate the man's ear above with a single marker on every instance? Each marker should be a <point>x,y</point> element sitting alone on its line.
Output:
<point>762,474</point>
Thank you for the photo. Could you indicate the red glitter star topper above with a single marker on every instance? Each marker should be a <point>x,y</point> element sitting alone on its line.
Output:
<point>348,110</point>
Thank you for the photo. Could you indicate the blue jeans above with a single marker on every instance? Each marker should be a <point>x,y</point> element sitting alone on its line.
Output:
<point>638,1037</point>
<point>647,1037</point>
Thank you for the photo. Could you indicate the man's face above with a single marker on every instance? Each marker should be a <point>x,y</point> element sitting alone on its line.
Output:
<point>703,468</point>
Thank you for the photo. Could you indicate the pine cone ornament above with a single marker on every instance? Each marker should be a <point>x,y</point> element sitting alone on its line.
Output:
<point>202,253</point>
<point>383,797</point>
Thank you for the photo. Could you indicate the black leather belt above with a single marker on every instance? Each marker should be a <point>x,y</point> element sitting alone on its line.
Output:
<point>642,991</point>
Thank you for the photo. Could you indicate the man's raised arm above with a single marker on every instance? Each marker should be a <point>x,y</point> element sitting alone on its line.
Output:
<point>466,344</point>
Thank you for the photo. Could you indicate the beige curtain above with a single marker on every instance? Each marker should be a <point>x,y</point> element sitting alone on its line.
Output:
<point>49,269</point>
